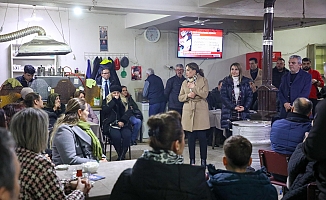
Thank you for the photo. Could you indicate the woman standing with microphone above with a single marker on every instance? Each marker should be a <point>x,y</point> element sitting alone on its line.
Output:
<point>195,115</point>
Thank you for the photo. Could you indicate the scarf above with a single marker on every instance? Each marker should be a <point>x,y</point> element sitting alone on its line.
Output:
<point>236,98</point>
<point>163,156</point>
<point>96,145</point>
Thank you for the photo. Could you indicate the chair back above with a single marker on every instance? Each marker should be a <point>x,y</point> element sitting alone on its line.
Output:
<point>274,163</point>
<point>312,191</point>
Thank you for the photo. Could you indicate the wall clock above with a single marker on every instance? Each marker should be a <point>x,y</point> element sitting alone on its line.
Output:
<point>152,34</point>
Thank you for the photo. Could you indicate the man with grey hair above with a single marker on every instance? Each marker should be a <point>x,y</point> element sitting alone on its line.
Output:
<point>154,91</point>
<point>9,167</point>
<point>295,84</point>
<point>287,133</point>
<point>172,89</point>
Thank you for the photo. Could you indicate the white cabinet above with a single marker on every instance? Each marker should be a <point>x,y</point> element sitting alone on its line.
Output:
<point>17,63</point>
<point>144,107</point>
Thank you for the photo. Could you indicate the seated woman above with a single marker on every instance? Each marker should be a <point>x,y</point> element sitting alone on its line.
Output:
<point>38,179</point>
<point>160,173</point>
<point>91,115</point>
<point>116,116</point>
<point>54,104</point>
<point>73,141</point>
<point>136,117</point>
<point>11,109</point>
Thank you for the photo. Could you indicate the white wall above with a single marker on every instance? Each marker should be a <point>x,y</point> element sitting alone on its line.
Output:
<point>82,34</point>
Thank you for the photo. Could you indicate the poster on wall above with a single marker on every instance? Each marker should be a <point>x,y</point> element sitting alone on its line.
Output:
<point>103,38</point>
<point>135,73</point>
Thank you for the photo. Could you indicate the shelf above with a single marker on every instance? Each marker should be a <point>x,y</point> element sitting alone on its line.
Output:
<point>17,71</point>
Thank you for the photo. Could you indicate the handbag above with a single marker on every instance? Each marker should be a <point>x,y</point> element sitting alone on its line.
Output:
<point>138,114</point>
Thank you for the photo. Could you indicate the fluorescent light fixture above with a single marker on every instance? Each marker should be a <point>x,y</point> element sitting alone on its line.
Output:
<point>77,11</point>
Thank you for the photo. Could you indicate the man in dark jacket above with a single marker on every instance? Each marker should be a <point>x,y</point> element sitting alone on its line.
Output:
<point>154,91</point>
<point>315,147</point>
<point>296,83</point>
<point>172,89</point>
<point>287,133</point>
<point>214,99</point>
<point>235,183</point>
<point>301,173</point>
<point>27,78</point>
<point>278,71</point>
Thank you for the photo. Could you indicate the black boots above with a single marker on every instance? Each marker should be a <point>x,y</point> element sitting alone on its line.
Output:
<point>192,161</point>
<point>203,162</point>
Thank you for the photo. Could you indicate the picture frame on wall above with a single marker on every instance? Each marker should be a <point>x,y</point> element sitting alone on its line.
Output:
<point>136,73</point>
<point>103,31</point>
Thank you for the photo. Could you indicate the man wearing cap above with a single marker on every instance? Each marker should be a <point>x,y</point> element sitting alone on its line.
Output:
<point>27,78</point>
<point>172,89</point>
<point>154,91</point>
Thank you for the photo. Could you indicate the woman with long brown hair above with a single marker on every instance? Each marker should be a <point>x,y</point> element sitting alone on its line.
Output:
<point>195,114</point>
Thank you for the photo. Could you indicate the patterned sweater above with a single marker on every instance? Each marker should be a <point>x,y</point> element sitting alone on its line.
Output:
<point>38,179</point>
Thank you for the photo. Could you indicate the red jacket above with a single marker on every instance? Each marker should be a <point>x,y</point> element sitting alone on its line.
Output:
<point>314,88</point>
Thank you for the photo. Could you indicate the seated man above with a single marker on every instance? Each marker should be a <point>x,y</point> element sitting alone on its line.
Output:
<point>287,133</point>
<point>27,78</point>
<point>235,183</point>
<point>214,99</point>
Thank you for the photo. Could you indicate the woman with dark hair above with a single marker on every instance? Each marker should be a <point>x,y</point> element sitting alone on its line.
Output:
<point>116,115</point>
<point>160,173</point>
<point>236,96</point>
<point>91,115</point>
<point>195,114</point>
<point>73,140</point>
<point>38,179</point>
<point>3,120</point>
<point>11,109</point>
<point>54,104</point>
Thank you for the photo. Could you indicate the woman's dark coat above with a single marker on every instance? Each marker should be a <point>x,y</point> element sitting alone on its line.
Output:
<point>227,103</point>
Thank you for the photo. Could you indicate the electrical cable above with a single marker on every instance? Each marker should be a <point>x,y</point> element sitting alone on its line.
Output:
<point>4,19</point>
<point>61,24</point>
<point>249,46</point>
<point>55,24</point>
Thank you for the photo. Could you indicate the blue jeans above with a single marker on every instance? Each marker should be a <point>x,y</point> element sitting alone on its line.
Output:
<point>156,108</point>
<point>136,124</point>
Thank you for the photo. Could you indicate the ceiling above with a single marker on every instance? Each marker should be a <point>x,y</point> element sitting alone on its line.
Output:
<point>236,15</point>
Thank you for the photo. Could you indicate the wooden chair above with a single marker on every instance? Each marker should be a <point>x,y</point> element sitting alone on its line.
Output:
<point>276,164</point>
<point>312,191</point>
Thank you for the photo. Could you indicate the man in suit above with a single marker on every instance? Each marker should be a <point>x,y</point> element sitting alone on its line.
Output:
<point>295,84</point>
<point>254,72</point>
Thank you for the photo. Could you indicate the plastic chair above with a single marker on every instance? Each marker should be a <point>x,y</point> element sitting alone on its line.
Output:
<point>312,191</point>
<point>276,164</point>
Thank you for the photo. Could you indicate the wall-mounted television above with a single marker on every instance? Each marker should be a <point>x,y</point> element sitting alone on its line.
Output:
<point>200,43</point>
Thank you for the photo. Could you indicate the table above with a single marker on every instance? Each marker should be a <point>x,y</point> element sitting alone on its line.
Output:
<point>97,131</point>
<point>102,188</point>
<point>215,121</point>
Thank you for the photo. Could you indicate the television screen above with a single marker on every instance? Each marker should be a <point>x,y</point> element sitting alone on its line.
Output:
<point>200,43</point>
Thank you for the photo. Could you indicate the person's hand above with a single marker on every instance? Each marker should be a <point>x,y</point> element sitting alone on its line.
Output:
<point>103,160</point>
<point>83,185</point>
<point>287,106</point>
<point>241,108</point>
<point>57,105</point>
<point>191,95</point>
<point>121,124</point>
<point>191,85</point>
<point>48,157</point>
<point>313,81</point>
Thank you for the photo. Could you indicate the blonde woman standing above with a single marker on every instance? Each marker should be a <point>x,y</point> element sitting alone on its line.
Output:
<point>195,115</point>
